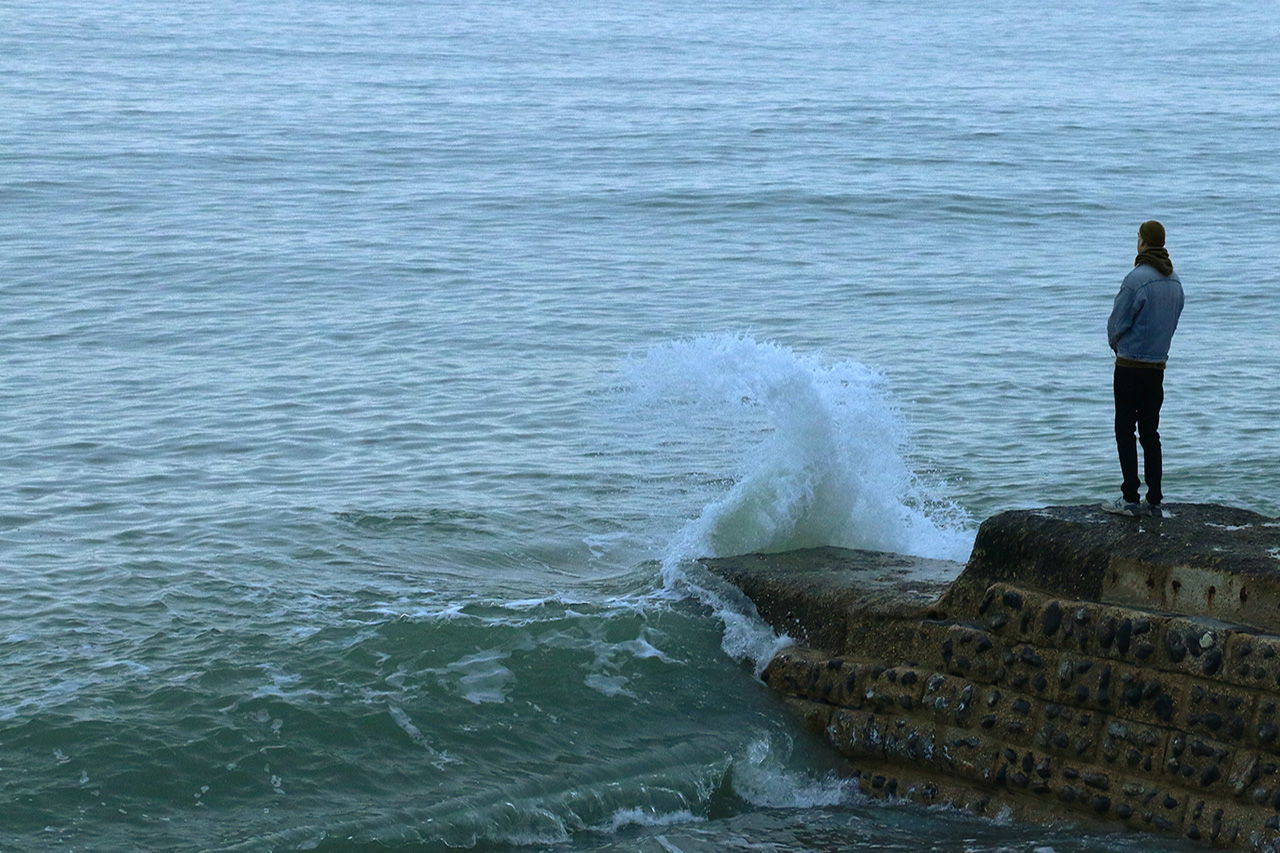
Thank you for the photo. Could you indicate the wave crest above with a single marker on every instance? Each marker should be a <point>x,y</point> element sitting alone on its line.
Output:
<point>821,452</point>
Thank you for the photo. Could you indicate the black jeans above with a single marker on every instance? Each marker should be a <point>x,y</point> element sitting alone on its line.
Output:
<point>1139,394</point>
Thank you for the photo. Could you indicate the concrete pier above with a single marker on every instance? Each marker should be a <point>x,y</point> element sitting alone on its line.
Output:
<point>1080,667</point>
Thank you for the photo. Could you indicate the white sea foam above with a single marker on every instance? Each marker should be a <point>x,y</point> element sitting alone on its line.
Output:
<point>821,459</point>
<point>609,685</point>
<point>821,452</point>
<point>526,603</point>
<point>284,684</point>
<point>746,636</point>
<point>482,679</point>
<point>642,648</point>
<point>415,734</point>
<point>642,817</point>
<point>763,779</point>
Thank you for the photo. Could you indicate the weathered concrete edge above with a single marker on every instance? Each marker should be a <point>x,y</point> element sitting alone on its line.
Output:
<point>1203,559</point>
<point>826,597</point>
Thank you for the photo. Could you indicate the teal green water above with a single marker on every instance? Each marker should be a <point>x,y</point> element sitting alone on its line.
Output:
<point>371,374</point>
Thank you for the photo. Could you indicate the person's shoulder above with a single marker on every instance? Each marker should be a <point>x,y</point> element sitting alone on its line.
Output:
<point>1144,274</point>
<point>1141,274</point>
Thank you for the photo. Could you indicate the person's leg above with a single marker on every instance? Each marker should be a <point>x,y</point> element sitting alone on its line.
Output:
<point>1124,388</point>
<point>1150,399</point>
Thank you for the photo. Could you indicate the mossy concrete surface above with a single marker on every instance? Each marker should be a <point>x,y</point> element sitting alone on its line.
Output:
<point>1082,666</point>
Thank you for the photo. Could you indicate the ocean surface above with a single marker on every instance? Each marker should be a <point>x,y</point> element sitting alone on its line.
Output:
<point>373,371</point>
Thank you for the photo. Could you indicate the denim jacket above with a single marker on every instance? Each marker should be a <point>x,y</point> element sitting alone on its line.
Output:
<point>1145,314</point>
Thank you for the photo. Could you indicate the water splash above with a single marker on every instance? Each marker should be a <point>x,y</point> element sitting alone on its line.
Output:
<point>820,448</point>
<point>813,454</point>
<point>764,778</point>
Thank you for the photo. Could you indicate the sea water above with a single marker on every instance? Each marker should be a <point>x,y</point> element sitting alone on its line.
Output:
<point>372,373</point>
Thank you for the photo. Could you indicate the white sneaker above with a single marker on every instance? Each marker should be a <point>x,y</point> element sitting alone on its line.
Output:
<point>1120,506</point>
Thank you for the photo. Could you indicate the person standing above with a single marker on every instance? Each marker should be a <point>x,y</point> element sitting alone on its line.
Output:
<point>1139,330</point>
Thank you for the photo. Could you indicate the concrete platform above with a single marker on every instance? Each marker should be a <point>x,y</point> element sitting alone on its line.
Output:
<point>1082,667</point>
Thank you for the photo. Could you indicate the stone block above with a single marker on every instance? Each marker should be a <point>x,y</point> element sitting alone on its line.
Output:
<point>1215,711</point>
<point>969,652</point>
<point>1008,611</point>
<point>1124,634</point>
<point>858,734</point>
<point>911,740</point>
<point>1061,782</point>
<point>1027,772</point>
<point>1132,747</point>
<point>1255,781</point>
<point>1027,668</point>
<point>1264,728</point>
<point>1222,823</point>
<point>1100,630</point>
<point>1070,732</point>
<point>893,690</point>
<point>1134,693</point>
<point>1085,682</point>
<point>1147,804</point>
<point>791,673</point>
<point>950,699</point>
<point>816,676</point>
<point>1009,715</point>
<point>1199,764</point>
<point>1251,661</point>
<point>1197,647</point>
<point>1146,696</point>
<point>967,754</point>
